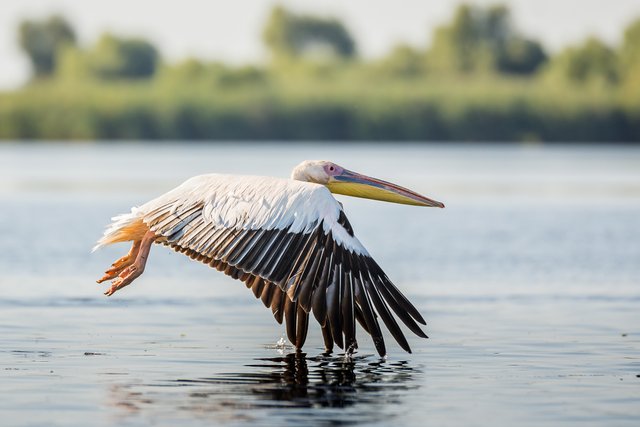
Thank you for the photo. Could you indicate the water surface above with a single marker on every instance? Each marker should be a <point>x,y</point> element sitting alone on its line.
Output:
<point>529,281</point>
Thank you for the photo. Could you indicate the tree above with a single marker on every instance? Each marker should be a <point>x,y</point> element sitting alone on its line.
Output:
<point>630,51</point>
<point>591,61</point>
<point>480,40</point>
<point>403,61</point>
<point>302,36</point>
<point>123,58</point>
<point>522,56</point>
<point>42,40</point>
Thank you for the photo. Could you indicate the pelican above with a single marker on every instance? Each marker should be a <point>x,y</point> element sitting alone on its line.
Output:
<point>288,240</point>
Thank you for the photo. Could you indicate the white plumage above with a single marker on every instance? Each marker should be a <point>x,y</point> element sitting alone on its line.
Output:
<point>248,202</point>
<point>288,240</point>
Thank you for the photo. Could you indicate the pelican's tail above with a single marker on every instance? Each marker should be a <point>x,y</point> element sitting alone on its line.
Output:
<point>124,228</point>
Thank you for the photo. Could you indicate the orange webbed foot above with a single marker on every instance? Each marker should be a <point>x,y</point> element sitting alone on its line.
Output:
<point>121,264</point>
<point>125,278</point>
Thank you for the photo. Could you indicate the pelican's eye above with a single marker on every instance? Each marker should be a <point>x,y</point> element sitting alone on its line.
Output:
<point>332,169</point>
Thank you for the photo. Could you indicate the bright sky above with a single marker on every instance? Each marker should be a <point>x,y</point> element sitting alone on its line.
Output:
<point>230,30</point>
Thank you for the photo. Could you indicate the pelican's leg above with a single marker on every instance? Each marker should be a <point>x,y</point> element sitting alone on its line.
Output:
<point>124,262</point>
<point>132,272</point>
<point>328,339</point>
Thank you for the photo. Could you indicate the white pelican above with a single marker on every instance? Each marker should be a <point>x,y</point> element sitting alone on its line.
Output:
<point>286,239</point>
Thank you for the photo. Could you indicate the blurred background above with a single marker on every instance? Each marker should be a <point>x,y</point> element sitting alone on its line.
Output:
<point>331,70</point>
<point>522,116</point>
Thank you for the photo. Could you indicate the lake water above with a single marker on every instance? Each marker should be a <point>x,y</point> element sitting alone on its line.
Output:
<point>529,281</point>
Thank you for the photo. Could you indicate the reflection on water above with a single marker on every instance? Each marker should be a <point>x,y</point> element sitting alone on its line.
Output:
<point>371,388</point>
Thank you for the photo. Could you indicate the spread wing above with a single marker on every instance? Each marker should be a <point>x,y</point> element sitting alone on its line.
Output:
<point>292,245</point>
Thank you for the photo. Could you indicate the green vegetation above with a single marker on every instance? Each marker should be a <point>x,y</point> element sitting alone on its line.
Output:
<point>480,80</point>
<point>484,40</point>
<point>42,40</point>
<point>296,37</point>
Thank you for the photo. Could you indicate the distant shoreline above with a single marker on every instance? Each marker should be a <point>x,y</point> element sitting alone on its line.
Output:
<point>417,111</point>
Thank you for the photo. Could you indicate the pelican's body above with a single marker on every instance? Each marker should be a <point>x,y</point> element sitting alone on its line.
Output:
<point>286,239</point>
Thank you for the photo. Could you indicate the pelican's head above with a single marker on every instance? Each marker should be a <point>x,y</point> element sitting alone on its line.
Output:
<point>342,181</point>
